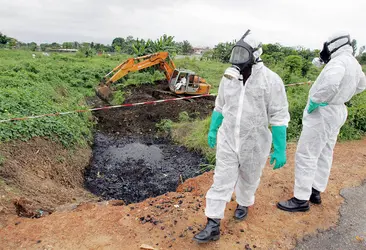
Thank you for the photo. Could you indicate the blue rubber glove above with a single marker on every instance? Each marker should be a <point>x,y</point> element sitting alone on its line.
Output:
<point>279,145</point>
<point>313,106</point>
<point>216,121</point>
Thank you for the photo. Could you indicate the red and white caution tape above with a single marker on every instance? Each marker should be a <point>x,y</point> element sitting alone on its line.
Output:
<point>301,83</point>
<point>120,106</point>
<point>104,108</point>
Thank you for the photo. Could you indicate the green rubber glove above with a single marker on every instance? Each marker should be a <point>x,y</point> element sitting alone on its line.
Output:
<point>216,121</point>
<point>279,145</point>
<point>313,106</point>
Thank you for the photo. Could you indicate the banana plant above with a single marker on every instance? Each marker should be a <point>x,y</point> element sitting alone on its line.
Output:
<point>164,43</point>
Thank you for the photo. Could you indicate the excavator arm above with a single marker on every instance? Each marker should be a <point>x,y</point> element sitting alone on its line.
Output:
<point>135,64</point>
<point>195,84</point>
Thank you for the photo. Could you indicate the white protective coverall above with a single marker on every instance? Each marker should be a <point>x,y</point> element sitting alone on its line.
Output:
<point>244,139</point>
<point>340,80</point>
<point>181,83</point>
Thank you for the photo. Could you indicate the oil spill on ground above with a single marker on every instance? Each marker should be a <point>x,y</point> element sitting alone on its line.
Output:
<point>135,168</point>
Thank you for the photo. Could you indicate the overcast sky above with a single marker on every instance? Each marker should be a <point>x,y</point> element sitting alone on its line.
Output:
<point>290,22</point>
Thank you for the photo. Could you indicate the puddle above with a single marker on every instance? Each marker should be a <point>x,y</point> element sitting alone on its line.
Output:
<point>133,169</point>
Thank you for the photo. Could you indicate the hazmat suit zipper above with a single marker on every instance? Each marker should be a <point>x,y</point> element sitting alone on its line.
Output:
<point>238,117</point>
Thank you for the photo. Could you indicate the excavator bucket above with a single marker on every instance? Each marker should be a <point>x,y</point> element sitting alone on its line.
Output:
<point>104,91</point>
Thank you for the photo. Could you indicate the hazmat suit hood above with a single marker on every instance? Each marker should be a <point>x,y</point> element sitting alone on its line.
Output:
<point>338,44</point>
<point>256,51</point>
<point>335,43</point>
<point>254,43</point>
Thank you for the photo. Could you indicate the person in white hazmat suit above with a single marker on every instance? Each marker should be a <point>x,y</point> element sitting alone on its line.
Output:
<point>250,98</point>
<point>323,117</point>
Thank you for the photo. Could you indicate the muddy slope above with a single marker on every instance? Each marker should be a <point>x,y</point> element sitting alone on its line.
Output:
<point>41,174</point>
<point>139,120</point>
<point>129,162</point>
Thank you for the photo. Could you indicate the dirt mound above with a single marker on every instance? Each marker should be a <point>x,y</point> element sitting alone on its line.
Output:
<point>170,221</point>
<point>143,119</point>
<point>43,175</point>
<point>133,169</point>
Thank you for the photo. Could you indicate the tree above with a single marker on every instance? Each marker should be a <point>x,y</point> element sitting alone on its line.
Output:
<point>362,49</point>
<point>278,56</point>
<point>12,43</point>
<point>293,63</point>
<point>164,43</point>
<point>98,47</point>
<point>354,46</point>
<point>67,45</point>
<point>222,51</point>
<point>118,41</point>
<point>268,60</point>
<point>306,53</point>
<point>130,40</point>
<point>55,45</point>
<point>44,46</point>
<point>32,46</point>
<point>271,48</point>
<point>187,48</point>
<point>142,47</point>
<point>207,55</point>
<point>3,39</point>
<point>76,45</point>
<point>362,58</point>
<point>85,45</point>
<point>86,51</point>
<point>124,45</point>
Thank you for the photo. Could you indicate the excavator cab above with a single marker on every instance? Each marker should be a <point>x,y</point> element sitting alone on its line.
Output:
<point>187,82</point>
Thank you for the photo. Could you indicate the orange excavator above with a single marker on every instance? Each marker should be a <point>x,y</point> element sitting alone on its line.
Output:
<point>181,81</point>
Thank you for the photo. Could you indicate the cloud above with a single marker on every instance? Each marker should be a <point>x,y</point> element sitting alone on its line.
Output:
<point>201,22</point>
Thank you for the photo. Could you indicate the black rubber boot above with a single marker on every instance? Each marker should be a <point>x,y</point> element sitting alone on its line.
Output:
<point>294,205</point>
<point>241,212</point>
<point>210,233</point>
<point>315,197</point>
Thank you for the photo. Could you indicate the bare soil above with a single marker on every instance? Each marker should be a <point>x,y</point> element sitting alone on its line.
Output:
<point>142,120</point>
<point>41,177</point>
<point>170,221</point>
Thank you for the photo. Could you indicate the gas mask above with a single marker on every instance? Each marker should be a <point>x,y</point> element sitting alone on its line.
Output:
<point>317,62</point>
<point>325,54</point>
<point>241,58</point>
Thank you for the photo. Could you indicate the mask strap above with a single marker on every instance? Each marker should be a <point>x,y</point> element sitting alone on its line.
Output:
<point>246,33</point>
<point>347,43</point>
<point>338,38</point>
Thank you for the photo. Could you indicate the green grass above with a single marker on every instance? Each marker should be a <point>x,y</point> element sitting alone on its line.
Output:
<point>354,128</point>
<point>60,82</point>
<point>196,139</point>
<point>31,86</point>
